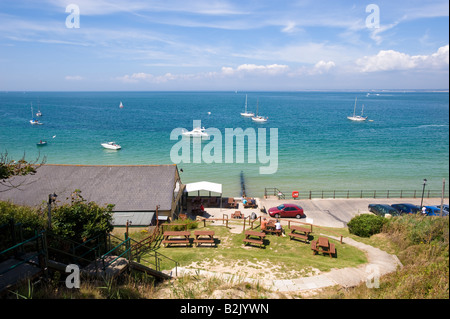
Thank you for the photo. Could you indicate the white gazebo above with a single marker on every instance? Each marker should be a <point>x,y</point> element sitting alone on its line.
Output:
<point>205,186</point>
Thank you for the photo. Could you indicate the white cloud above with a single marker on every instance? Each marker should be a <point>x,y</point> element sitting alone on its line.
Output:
<point>73,78</point>
<point>291,27</point>
<point>322,66</point>
<point>272,69</point>
<point>389,60</point>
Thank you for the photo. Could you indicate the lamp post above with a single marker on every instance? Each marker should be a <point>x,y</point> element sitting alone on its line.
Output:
<point>423,191</point>
<point>51,199</point>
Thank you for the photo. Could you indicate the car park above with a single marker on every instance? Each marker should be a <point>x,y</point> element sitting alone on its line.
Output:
<point>407,208</point>
<point>444,208</point>
<point>286,210</point>
<point>383,209</point>
<point>434,211</point>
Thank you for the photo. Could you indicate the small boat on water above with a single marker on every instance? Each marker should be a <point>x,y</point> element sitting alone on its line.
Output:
<point>258,118</point>
<point>41,143</point>
<point>358,118</point>
<point>33,121</point>
<point>121,105</point>
<point>111,146</point>
<point>247,114</point>
<point>196,132</point>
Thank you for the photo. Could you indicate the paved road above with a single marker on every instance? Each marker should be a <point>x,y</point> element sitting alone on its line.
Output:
<point>338,212</point>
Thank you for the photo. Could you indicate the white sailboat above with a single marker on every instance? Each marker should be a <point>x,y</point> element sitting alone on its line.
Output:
<point>258,118</point>
<point>39,113</point>
<point>355,117</point>
<point>247,114</point>
<point>121,105</point>
<point>33,121</point>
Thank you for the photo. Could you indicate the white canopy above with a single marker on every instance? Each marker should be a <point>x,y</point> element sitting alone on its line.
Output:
<point>204,186</point>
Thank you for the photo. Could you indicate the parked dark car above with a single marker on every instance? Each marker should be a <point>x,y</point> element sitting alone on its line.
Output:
<point>406,208</point>
<point>434,211</point>
<point>287,210</point>
<point>383,209</point>
<point>444,208</point>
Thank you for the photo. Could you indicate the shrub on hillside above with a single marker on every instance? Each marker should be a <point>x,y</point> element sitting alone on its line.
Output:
<point>366,225</point>
<point>81,220</point>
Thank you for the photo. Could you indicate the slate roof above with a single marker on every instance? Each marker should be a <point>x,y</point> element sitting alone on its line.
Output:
<point>128,187</point>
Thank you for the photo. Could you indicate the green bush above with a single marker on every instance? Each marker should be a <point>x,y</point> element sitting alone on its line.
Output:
<point>366,225</point>
<point>81,220</point>
<point>31,219</point>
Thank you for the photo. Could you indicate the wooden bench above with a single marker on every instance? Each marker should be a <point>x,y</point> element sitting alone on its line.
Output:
<point>176,237</point>
<point>322,245</point>
<point>249,203</point>
<point>249,237</point>
<point>232,203</point>
<point>237,214</point>
<point>204,237</point>
<point>301,233</point>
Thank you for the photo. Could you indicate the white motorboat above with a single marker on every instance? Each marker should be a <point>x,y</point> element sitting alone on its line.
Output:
<point>111,146</point>
<point>247,114</point>
<point>258,118</point>
<point>196,132</point>
<point>358,118</point>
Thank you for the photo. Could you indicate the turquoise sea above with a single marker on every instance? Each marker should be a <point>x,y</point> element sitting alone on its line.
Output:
<point>404,140</point>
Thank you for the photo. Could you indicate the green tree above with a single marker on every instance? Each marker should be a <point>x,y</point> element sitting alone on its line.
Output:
<point>10,168</point>
<point>81,220</point>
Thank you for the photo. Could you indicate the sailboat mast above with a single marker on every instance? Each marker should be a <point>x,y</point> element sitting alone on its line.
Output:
<point>354,109</point>
<point>245,103</point>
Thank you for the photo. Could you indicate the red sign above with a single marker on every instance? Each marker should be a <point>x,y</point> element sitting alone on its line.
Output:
<point>294,194</point>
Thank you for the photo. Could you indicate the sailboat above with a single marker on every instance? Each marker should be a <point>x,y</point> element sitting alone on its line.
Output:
<point>259,118</point>
<point>247,114</point>
<point>121,105</point>
<point>39,110</point>
<point>33,121</point>
<point>357,117</point>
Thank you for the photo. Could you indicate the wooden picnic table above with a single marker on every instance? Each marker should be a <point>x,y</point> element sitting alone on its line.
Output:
<point>251,203</point>
<point>232,203</point>
<point>250,237</point>
<point>237,214</point>
<point>271,228</point>
<point>299,232</point>
<point>176,237</point>
<point>322,245</point>
<point>204,237</point>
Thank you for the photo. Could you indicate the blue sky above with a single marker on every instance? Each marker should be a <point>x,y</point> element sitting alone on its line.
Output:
<point>224,45</point>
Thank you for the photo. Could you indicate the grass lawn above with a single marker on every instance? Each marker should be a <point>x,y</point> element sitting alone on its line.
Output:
<point>282,257</point>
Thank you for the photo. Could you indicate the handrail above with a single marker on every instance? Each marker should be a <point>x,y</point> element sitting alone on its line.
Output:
<point>128,249</point>
<point>360,193</point>
<point>38,236</point>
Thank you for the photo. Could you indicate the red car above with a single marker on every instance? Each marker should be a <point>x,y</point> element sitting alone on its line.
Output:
<point>287,210</point>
